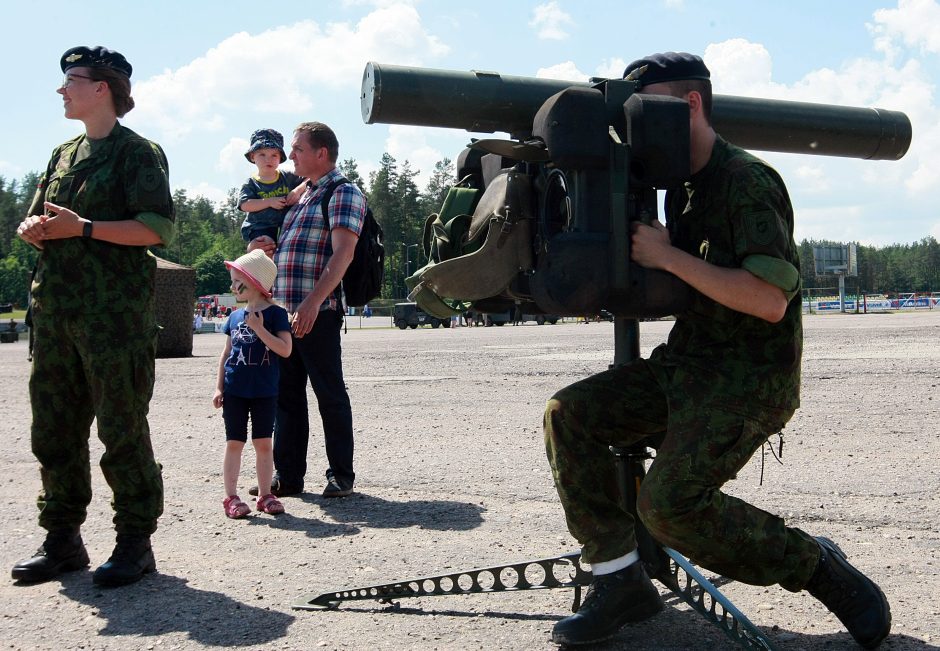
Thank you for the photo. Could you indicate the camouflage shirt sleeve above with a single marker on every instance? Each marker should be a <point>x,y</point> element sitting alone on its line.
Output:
<point>762,224</point>
<point>147,188</point>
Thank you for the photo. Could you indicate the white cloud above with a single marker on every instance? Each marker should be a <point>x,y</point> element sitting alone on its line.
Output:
<point>891,79</point>
<point>10,171</point>
<point>739,67</point>
<point>611,68</point>
<point>377,3</point>
<point>411,143</point>
<point>550,20</point>
<point>302,63</point>
<point>840,223</point>
<point>216,195</point>
<point>232,157</point>
<point>812,178</point>
<point>915,23</point>
<point>935,231</point>
<point>567,71</point>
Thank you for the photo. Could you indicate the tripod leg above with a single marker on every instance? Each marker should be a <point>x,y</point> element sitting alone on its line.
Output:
<point>557,572</point>
<point>672,569</point>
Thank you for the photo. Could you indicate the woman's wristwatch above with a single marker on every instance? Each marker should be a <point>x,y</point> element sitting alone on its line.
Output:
<point>86,229</point>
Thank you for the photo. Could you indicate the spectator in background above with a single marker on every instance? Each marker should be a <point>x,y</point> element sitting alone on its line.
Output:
<point>312,258</point>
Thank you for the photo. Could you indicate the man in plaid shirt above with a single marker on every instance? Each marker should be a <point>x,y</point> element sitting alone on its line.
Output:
<point>311,259</point>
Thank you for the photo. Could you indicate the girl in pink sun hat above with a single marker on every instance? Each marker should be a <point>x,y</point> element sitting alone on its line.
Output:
<point>246,387</point>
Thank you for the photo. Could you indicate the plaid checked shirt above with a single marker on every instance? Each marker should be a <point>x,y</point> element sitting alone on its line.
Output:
<point>304,245</point>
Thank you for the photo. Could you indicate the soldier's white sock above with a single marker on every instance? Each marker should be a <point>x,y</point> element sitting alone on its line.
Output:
<point>615,565</point>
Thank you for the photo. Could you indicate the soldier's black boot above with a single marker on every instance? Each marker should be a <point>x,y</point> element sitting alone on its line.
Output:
<point>851,596</point>
<point>613,600</point>
<point>131,559</point>
<point>62,551</point>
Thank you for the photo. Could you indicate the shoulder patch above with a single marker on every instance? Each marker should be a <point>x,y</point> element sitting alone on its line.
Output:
<point>760,225</point>
<point>149,180</point>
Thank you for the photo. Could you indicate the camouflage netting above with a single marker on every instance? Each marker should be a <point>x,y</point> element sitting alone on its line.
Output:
<point>175,292</point>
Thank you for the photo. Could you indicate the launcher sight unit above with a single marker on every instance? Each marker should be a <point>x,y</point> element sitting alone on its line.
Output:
<point>547,225</point>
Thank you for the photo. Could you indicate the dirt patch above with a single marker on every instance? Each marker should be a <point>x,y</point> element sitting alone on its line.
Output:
<point>452,476</point>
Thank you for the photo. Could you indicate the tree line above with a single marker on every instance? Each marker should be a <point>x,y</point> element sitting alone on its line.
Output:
<point>207,234</point>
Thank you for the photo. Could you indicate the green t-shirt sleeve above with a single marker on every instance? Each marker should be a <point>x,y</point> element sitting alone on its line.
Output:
<point>158,224</point>
<point>147,188</point>
<point>775,271</point>
<point>763,228</point>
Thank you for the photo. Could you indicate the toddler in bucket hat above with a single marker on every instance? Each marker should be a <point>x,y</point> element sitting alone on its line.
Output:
<point>267,194</point>
<point>257,269</point>
<point>266,139</point>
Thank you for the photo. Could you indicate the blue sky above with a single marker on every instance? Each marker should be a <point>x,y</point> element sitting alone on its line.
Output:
<point>206,74</point>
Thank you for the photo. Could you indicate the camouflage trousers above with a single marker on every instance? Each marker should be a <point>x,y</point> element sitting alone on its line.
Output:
<point>85,367</point>
<point>701,441</point>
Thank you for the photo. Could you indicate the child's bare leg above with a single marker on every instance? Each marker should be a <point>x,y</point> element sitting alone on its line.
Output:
<point>231,465</point>
<point>264,463</point>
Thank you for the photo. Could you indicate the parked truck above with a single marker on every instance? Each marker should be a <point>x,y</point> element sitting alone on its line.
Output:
<point>409,315</point>
<point>216,304</point>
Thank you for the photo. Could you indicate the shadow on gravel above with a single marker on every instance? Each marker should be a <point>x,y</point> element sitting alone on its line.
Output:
<point>312,527</point>
<point>439,515</point>
<point>162,604</point>
<point>430,610</point>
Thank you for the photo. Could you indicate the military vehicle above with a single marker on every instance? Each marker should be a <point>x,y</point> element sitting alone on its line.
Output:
<point>409,315</point>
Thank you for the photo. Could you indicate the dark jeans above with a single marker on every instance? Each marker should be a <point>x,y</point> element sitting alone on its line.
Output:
<point>317,356</point>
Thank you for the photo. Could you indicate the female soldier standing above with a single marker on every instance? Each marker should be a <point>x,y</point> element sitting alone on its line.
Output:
<point>103,200</point>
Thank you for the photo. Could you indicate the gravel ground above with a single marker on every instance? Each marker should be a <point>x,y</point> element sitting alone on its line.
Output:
<point>452,476</point>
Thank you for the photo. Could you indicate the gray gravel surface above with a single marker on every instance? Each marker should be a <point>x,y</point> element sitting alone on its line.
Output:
<point>452,476</point>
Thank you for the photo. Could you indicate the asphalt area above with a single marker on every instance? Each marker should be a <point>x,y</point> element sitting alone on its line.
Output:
<point>452,476</point>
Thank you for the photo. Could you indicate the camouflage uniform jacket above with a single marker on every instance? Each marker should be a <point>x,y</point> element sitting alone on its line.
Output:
<point>122,176</point>
<point>736,213</point>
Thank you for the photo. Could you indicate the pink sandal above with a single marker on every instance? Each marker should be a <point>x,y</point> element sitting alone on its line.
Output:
<point>269,504</point>
<point>234,507</point>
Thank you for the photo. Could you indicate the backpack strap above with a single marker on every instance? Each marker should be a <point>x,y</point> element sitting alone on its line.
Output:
<point>325,200</point>
<point>324,208</point>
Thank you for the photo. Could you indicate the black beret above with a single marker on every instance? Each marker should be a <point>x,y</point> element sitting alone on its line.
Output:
<point>95,57</point>
<point>666,66</point>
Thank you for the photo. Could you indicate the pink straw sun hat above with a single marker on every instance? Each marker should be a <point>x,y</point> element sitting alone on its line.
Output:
<point>257,268</point>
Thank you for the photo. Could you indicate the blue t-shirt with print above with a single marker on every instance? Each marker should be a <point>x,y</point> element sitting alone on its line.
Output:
<point>262,222</point>
<point>252,370</point>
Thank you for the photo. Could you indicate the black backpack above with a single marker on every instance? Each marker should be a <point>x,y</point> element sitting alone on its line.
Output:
<point>363,278</point>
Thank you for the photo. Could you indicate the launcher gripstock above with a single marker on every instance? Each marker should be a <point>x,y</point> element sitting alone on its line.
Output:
<point>597,152</point>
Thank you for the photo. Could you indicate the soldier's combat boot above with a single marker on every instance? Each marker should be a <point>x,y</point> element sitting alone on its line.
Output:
<point>613,600</point>
<point>131,559</point>
<point>851,596</point>
<point>62,551</point>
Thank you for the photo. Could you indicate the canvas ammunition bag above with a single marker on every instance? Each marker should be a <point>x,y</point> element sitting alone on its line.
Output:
<point>475,255</point>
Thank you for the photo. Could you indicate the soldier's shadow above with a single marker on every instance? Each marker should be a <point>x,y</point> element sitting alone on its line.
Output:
<point>368,510</point>
<point>162,604</point>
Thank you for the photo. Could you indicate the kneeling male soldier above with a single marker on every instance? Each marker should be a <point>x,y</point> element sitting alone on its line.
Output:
<point>727,378</point>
